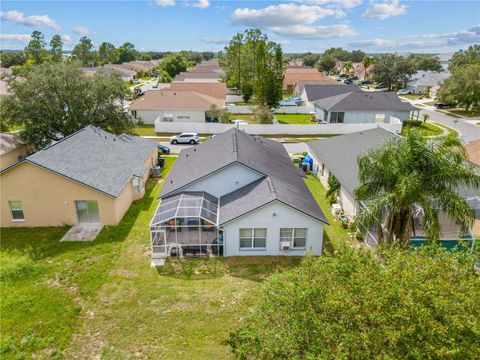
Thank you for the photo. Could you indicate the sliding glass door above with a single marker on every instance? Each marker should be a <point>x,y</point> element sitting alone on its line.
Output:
<point>87,211</point>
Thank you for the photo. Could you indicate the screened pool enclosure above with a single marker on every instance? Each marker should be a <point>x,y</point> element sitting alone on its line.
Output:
<point>186,224</point>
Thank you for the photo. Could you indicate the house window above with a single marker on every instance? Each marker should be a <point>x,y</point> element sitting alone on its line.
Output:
<point>337,117</point>
<point>17,211</point>
<point>167,117</point>
<point>323,169</point>
<point>137,185</point>
<point>297,237</point>
<point>253,238</point>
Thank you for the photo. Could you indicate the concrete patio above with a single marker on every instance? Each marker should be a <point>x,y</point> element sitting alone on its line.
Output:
<point>83,232</point>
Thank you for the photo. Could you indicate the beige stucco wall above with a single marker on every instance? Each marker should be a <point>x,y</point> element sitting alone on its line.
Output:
<point>48,199</point>
<point>11,157</point>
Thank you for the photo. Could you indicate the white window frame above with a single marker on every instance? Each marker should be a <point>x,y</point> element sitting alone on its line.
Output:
<point>291,238</point>
<point>139,186</point>
<point>167,117</point>
<point>12,210</point>
<point>252,238</point>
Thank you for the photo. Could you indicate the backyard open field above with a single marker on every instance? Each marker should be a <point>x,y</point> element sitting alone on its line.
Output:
<point>102,299</point>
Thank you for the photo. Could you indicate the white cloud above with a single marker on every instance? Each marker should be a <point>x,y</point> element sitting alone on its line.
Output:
<point>165,3</point>
<point>384,10</point>
<point>202,4</point>
<point>17,17</point>
<point>66,39</point>
<point>19,38</point>
<point>80,30</point>
<point>281,15</point>
<point>215,40</point>
<point>314,31</point>
<point>429,41</point>
<point>346,4</point>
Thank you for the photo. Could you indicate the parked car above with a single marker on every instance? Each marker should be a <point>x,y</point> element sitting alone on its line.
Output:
<point>155,86</point>
<point>353,78</point>
<point>380,86</point>
<point>348,82</point>
<point>365,82</point>
<point>441,105</point>
<point>164,149</point>
<point>185,138</point>
<point>404,92</point>
<point>136,81</point>
<point>138,91</point>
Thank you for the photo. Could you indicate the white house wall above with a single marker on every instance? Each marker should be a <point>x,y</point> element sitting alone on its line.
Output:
<point>348,203</point>
<point>272,217</point>
<point>366,117</point>
<point>179,116</point>
<point>225,181</point>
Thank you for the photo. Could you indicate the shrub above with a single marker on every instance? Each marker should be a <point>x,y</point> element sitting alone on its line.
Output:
<point>355,305</point>
<point>412,123</point>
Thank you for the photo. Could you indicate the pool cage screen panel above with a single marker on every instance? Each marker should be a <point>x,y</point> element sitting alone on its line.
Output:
<point>186,224</point>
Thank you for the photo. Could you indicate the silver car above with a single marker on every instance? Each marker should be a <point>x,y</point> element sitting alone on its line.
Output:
<point>185,138</point>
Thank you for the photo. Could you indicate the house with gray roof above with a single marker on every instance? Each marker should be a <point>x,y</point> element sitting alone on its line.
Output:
<point>423,80</point>
<point>91,176</point>
<point>361,107</point>
<point>236,195</point>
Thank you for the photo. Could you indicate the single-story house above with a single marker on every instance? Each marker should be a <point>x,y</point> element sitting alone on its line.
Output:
<point>299,88</point>
<point>360,107</point>
<point>423,80</point>
<point>236,195</point>
<point>198,76</point>
<point>12,150</point>
<point>294,74</point>
<point>338,156</point>
<point>310,92</point>
<point>91,176</point>
<point>215,90</point>
<point>126,74</point>
<point>445,59</point>
<point>173,106</point>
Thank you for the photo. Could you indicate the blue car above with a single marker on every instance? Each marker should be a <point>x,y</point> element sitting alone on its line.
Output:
<point>164,149</point>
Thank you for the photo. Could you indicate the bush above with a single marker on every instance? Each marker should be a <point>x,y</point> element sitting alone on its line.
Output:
<point>401,305</point>
<point>412,123</point>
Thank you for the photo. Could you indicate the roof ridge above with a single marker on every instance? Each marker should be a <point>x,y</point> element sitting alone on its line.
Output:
<point>66,137</point>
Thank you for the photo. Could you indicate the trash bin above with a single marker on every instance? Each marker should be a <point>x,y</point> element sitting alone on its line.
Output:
<point>161,161</point>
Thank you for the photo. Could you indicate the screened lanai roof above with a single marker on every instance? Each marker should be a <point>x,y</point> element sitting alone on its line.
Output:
<point>187,205</point>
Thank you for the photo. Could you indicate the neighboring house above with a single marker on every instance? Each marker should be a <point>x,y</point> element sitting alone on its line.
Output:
<point>12,150</point>
<point>90,176</point>
<point>423,80</point>
<point>126,74</point>
<point>215,90</point>
<point>299,88</point>
<point>294,74</point>
<point>173,106</point>
<point>311,92</point>
<point>236,195</point>
<point>358,69</point>
<point>200,76</point>
<point>445,60</point>
<point>359,107</point>
<point>338,156</point>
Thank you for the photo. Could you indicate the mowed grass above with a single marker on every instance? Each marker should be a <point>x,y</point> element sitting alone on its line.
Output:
<point>145,130</point>
<point>427,129</point>
<point>102,299</point>
<point>298,119</point>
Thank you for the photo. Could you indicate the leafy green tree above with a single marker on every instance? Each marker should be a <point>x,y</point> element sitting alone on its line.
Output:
<point>12,58</point>
<point>56,48</point>
<point>164,77</point>
<point>247,92</point>
<point>107,54</point>
<point>424,62</point>
<point>216,114</point>
<point>262,114</point>
<point>84,52</point>
<point>234,60</point>
<point>173,64</point>
<point>461,58</point>
<point>410,305</point>
<point>347,67</point>
<point>49,108</point>
<point>310,59</point>
<point>405,175</point>
<point>392,68</point>
<point>35,49</point>
<point>326,63</point>
<point>462,87</point>
<point>344,55</point>
<point>127,53</point>
<point>367,61</point>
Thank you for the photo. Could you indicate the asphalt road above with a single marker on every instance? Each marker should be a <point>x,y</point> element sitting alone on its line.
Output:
<point>292,148</point>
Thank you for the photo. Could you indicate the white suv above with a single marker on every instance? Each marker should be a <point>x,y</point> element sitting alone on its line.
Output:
<point>185,138</point>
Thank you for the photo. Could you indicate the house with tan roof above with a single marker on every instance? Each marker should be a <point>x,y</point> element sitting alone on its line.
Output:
<point>173,106</point>
<point>215,90</point>
<point>295,74</point>
<point>89,177</point>
<point>12,150</point>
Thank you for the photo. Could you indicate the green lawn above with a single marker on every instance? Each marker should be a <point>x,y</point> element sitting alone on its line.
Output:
<point>102,299</point>
<point>145,130</point>
<point>426,129</point>
<point>247,117</point>
<point>303,119</point>
<point>461,112</point>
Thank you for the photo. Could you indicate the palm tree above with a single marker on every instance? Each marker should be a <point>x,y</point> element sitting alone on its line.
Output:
<point>425,117</point>
<point>347,67</point>
<point>366,61</point>
<point>412,173</point>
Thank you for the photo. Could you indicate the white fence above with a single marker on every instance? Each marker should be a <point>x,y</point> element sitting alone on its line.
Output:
<point>316,129</point>
<point>244,109</point>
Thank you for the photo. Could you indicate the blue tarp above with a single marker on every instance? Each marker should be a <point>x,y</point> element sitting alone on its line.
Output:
<point>308,160</point>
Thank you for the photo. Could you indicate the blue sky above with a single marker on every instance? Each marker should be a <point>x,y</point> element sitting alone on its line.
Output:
<point>299,25</point>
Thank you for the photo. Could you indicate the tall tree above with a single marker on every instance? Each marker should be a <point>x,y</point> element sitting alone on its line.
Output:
<point>367,61</point>
<point>56,99</point>
<point>56,48</point>
<point>463,86</point>
<point>392,68</point>
<point>310,59</point>
<point>234,60</point>
<point>12,58</point>
<point>127,53</point>
<point>405,175</point>
<point>326,63</point>
<point>347,67</point>
<point>173,64</point>
<point>465,57</point>
<point>425,62</point>
<point>35,49</point>
<point>107,54</point>
<point>84,52</point>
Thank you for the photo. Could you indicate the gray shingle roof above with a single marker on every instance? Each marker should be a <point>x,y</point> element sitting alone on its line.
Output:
<point>364,101</point>
<point>320,91</point>
<point>340,153</point>
<point>267,157</point>
<point>97,159</point>
<point>427,78</point>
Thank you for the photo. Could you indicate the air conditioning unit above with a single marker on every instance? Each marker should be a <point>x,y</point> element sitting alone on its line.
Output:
<point>285,246</point>
<point>156,171</point>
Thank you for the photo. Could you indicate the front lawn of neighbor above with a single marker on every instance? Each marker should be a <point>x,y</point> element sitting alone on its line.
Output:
<point>101,299</point>
<point>426,129</point>
<point>246,117</point>
<point>145,130</point>
<point>475,112</point>
<point>302,119</point>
